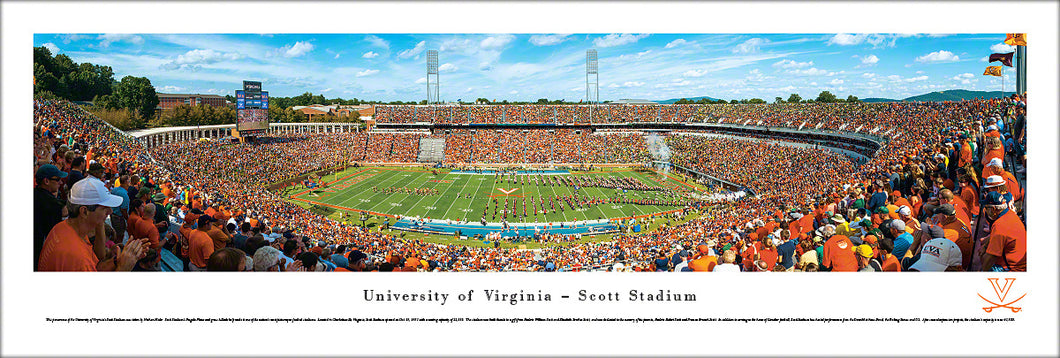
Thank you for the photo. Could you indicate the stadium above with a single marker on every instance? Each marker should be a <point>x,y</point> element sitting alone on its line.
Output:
<point>558,187</point>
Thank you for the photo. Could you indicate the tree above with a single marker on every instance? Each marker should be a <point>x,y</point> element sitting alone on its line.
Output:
<point>734,101</point>
<point>778,100</point>
<point>794,98</point>
<point>756,101</point>
<point>853,99</point>
<point>542,101</point>
<point>826,97</point>
<point>137,94</point>
<point>106,101</point>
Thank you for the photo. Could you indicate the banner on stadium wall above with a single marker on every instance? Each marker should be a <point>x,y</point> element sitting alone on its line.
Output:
<point>241,100</point>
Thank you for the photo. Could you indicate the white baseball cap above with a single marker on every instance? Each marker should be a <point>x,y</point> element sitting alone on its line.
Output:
<point>904,210</point>
<point>938,255</point>
<point>994,181</point>
<point>91,191</point>
<point>994,162</point>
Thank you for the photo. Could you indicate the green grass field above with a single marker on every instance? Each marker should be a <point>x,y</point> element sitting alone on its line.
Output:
<point>465,196</point>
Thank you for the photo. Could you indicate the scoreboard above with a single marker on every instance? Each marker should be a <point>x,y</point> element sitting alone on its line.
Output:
<point>252,109</point>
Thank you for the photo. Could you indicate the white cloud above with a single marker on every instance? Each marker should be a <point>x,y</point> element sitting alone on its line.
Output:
<point>485,66</point>
<point>296,49</point>
<point>984,59</point>
<point>496,42</point>
<point>639,54</point>
<point>876,40</point>
<point>376,41</point>
<point>67,38</point>
<point>963,76</point>
<point>108,39</point>
<point>513,92</point>
<point>370,54</point>
<point>1001,47</point>
<point>413,51</point>
<point>367,72</point>
<point>870,60</point>
<point>676,43</point>
<point>576,89</point>
<point>51,47</point>
<point>792,64</point>
<point>749,46</point>
<point>447,67</point>
<point>337,55</point>
<point>868,75</point>
<point>194,59</point>
<point>548,40</point>
<point>421,80</point>
<point>326,90</point>
<point>617,39</point>
<point>694,73</point>
<point>170,89</point>
<point>938,56</point>
<point>894,78</point>
<point>627,84</point>
<point>836,82</point>
<point>915,79</point>
<point>812,72</point>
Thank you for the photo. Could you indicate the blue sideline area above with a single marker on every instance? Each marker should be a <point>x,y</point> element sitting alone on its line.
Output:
<point>514,229</point>
<point>518,172</point>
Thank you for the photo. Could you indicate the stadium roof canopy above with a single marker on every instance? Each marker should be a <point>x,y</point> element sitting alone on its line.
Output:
<point>633,101</point>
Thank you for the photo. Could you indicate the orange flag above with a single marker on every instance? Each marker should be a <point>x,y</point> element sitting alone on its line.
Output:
<point>993,71</point>
<point>1016,39</point>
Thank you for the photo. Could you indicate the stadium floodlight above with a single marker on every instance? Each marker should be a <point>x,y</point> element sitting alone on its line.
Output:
<point>432,73</point>
<point>592,78</point>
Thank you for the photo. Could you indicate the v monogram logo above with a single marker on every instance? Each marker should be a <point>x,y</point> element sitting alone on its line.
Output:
<point>507,191</point>
<point>1002,291</point>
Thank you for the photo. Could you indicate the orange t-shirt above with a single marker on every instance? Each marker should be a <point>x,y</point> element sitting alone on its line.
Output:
<point>891,264</point>
<point>64,250</point>
<point>1008,239</point>
<point>962,237</point>
<point>968,196</point>
<point>143,228</point>
<point>219,238</point>
<point>839,254</point>
<point>201,247</point>
<point>703,264</point>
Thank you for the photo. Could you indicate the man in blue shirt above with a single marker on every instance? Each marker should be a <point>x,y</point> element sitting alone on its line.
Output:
<point>339,257</point>
<point>878,198</point>
<point>902,240</point>
<point>786,251</point>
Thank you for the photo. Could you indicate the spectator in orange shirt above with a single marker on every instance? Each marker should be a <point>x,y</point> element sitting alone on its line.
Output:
<point>1006,248</point>
<point>70,245</point>
<point>704,260</point>
<point>888,261</point>
<point>200,245</point>
<point>219,233</point>
<point>839,254</point>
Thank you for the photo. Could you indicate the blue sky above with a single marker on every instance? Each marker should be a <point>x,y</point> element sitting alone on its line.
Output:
<point>531,66</point>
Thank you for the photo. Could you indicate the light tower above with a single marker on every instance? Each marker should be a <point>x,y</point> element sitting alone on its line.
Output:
<point>432,77</point>
<point>592,78</point>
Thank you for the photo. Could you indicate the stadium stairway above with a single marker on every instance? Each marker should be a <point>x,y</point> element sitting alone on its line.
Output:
<point>432,150</point>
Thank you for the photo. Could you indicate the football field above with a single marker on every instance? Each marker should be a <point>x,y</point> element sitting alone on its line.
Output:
<point>459,196</point>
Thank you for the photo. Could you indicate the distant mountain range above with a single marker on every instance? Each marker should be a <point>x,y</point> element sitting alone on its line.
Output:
<point>948,95</point>
<point>672,100</point>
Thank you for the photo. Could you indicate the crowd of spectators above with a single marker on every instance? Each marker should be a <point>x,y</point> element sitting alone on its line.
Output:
<point>943,194</point>
<point>490,146</point>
